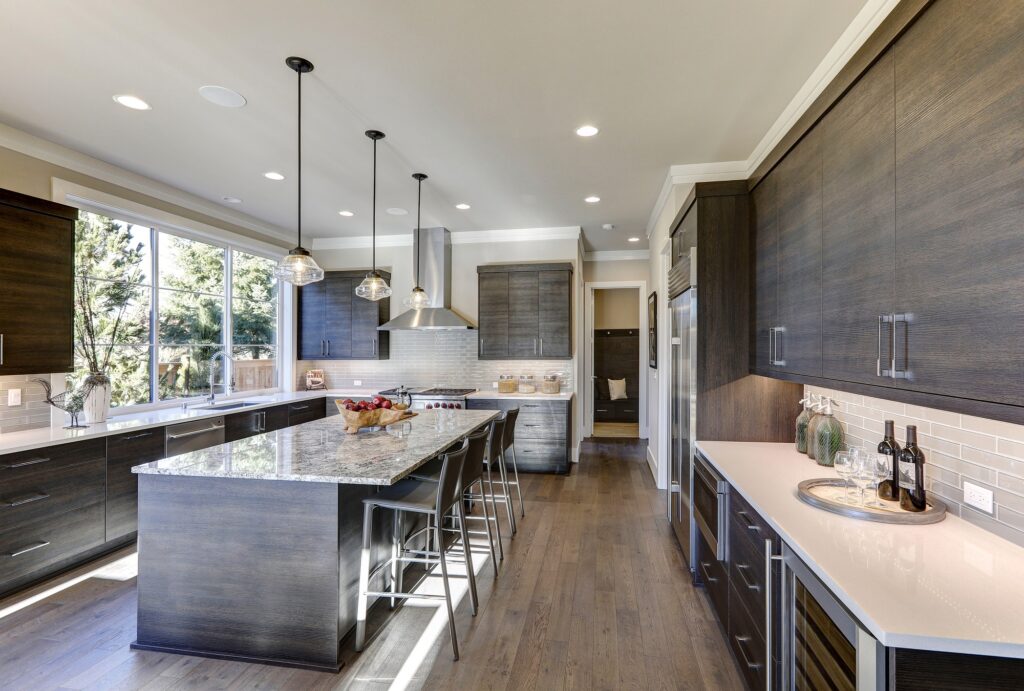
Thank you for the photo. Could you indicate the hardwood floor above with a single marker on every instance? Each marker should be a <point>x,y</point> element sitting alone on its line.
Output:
<point>616,430</point>
<point>591,595</point>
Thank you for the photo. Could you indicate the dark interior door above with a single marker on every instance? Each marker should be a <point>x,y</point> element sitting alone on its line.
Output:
<point>493,317</point>
<point>799,291</point>
<point>766,270</point>
<point>858,229</point>
<point>312,299</point>
<point>338,315</point>
<point>554,332</point>
<point>523,314</point>
<point>960,200</point>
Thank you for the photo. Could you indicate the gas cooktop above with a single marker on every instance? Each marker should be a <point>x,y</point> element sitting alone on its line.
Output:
<point>442,391</point>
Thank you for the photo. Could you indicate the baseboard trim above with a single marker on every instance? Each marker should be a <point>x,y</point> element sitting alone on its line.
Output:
<point>652,463</point>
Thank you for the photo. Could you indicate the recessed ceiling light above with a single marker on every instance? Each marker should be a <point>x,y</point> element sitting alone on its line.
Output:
<point>232,200</point>
<point>634,239</point>
<point>273,175</point>
<point>397,211</point>
<point>346,213</point>
<point>133,102</point>
<point>592,199</point>
<point>587,131</point>
<point>462,207</point>
<point>222,96</point>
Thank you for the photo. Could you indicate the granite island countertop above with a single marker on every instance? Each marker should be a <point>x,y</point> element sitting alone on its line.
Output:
<point>321,451</point>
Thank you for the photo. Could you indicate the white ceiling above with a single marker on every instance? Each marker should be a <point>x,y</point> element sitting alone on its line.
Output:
<point>482,96</point>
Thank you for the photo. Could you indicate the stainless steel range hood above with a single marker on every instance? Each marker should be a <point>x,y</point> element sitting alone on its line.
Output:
<point>435,247</point>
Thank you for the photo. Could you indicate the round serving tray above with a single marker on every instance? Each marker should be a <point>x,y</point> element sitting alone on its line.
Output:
<point>823,493</point>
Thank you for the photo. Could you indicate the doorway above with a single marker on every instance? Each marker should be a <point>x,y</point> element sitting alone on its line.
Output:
<point>617,338</point>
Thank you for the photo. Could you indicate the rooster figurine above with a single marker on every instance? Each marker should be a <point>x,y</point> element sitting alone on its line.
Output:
<point>71,401</point>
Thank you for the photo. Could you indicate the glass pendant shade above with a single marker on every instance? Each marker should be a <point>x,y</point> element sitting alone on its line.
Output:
<point>373,287</point>
<point>417,299</point>
<point>298,268</point>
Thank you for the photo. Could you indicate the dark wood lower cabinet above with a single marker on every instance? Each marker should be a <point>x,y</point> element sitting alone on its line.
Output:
<point>124,451</point>
<point>543,437</point>
<point>249,423</point>
<point>306,411</point>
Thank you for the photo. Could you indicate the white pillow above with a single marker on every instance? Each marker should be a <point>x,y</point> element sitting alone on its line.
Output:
<point>617,389</point>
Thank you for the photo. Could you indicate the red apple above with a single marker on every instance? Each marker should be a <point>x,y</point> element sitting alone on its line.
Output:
<point>385,404</point>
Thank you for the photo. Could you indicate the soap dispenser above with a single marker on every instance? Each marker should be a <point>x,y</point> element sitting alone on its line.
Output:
<point>801,424</point>
<point>815,408</point>
<point>828,437</point>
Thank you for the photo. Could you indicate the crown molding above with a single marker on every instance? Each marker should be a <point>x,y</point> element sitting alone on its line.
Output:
<point>617,255</point>
<point>469,237</point>
<point>848,43</point>
<point>50,152</point>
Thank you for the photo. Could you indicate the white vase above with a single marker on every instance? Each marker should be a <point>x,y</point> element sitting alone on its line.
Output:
<point>97,404</point>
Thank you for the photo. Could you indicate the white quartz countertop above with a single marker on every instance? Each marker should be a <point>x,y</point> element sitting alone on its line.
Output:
<point>494,395</point>
<point>321,451</point>
<point>950,586</point>
<point>48,436</point>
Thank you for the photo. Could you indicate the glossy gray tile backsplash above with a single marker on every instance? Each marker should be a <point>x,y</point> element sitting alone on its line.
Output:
<point>33,412</point>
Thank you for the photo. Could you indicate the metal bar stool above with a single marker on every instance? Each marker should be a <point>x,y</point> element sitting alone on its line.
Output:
<point>419,497</point>
<point>496,458</point>
<point>509,445</point>
<point>472,474</point>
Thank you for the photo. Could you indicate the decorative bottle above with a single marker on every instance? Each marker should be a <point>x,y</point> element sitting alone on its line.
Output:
<point>812,424</point>
<point>912,496</point>
<point>801,425</point>
<point>889,488</point>
<point>828,436</point>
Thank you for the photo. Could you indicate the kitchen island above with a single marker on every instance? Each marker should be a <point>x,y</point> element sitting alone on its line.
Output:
<point>250,550</point>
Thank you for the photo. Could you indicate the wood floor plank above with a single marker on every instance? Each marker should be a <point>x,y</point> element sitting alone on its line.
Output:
<point>593,594</point>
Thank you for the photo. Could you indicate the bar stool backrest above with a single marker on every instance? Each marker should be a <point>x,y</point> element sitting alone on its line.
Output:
<point>449,489</point>
<point>509,437</point>
<point>494,440</point>
<point>473,468</point>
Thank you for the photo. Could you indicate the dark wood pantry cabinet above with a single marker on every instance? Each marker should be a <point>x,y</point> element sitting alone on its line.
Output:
<point>36,285</point>
<point>525,312</point>
<point>334,324</point>
<point>893,223</point>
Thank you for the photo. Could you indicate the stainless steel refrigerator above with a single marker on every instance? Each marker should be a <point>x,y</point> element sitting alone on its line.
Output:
<point>683,372</point>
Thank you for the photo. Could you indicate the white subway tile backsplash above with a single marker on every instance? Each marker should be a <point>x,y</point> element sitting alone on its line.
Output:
<point>33,412</point>
<point>985,452</point>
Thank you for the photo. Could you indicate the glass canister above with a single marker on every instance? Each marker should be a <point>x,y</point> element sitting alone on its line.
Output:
<point>507,383</point>
<point>828,436</point>
<point>801,423</point>
<point>551,383</point>
<point>527,384</point>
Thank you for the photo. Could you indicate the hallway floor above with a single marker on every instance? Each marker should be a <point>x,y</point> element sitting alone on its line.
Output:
<point>592,595</point>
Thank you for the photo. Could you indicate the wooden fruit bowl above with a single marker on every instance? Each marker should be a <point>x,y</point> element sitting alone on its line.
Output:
<point>356,420</point>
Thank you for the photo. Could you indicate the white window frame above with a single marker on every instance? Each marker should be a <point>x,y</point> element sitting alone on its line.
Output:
<point>158,221</point>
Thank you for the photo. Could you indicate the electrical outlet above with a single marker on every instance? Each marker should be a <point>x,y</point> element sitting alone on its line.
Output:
<point>14,397</point>
<point>978,497</point>
<point>357,382</point>
<point>494,384</point>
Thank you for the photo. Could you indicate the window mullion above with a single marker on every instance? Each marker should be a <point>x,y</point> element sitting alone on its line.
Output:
<point>227,327</point>
<point>154,317</point>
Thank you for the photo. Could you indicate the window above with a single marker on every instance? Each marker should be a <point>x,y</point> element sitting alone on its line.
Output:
<point>153,319</point>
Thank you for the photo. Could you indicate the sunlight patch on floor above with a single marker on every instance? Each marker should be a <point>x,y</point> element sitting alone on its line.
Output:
<point>122,569</point>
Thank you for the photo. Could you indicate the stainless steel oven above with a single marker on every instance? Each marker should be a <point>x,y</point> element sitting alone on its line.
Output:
<point>711,506</point>
<point>823,645</point>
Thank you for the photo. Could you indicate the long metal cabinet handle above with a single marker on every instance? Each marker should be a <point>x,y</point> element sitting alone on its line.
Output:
<point>328,347</point>
<point>21,501</point>
<point>769,557</point>
<point>542,346</point>
<point>878,360</point>
<point>26,550</point>
<point>195,432</point>
<point>778,361</point>
<point>742,569</point>
<point>894,372</point>
<point>32,461</point>
<point>741,643</point>
<point>722,535</point>
<point>1,349</point>
<point>140,435</point>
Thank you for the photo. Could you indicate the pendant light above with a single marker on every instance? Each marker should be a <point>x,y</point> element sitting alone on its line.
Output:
<point>298,267</point>
<point>374,287</point>
<point>418,298</point>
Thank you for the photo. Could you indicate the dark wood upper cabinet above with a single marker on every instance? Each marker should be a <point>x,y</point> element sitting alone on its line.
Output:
<point>858,228</point>
<point>525,311</point>
<point>960,200</point>
<point>493,316</point>
<point>765,241</point>
<point>334,324</point>
<point>36,285</point>
<point>798,335</point>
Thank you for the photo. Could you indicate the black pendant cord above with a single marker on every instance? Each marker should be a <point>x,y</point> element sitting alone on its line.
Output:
<point>419,200</point>
<point>373,251</point>
<point>298,74</point>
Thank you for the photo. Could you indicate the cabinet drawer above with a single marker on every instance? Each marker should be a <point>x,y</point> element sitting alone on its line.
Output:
<point>712,575</point>
<point>751,527</point>
<point>541,456</point>
<point>44,493</point>
<point>125,451</point>
<point>35,546</point>
<point>541,426</point>
<point>749,578</point>
<point>50,459</point>
<point>306,411</point>
<point>748,646</point>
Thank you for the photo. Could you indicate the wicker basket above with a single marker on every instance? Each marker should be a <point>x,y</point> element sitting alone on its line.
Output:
<point>356,420</point>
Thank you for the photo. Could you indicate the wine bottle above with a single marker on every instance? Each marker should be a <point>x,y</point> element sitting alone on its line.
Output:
<point>912,497</point>
<point>889,489</point>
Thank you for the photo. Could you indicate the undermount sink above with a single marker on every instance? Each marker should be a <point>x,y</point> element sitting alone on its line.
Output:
<point>231,405</point>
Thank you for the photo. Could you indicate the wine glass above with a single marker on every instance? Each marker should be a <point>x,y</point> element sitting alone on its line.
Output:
<point>863,473</point>
<point>880,463</point>
<point>844,469</point>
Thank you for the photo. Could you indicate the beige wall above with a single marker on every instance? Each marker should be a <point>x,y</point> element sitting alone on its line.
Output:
<point>617,308</point>
<point>32,176</point>
<point>627,270</point>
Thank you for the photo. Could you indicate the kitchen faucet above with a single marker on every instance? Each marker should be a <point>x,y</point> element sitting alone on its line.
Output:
<point>227,385</point>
